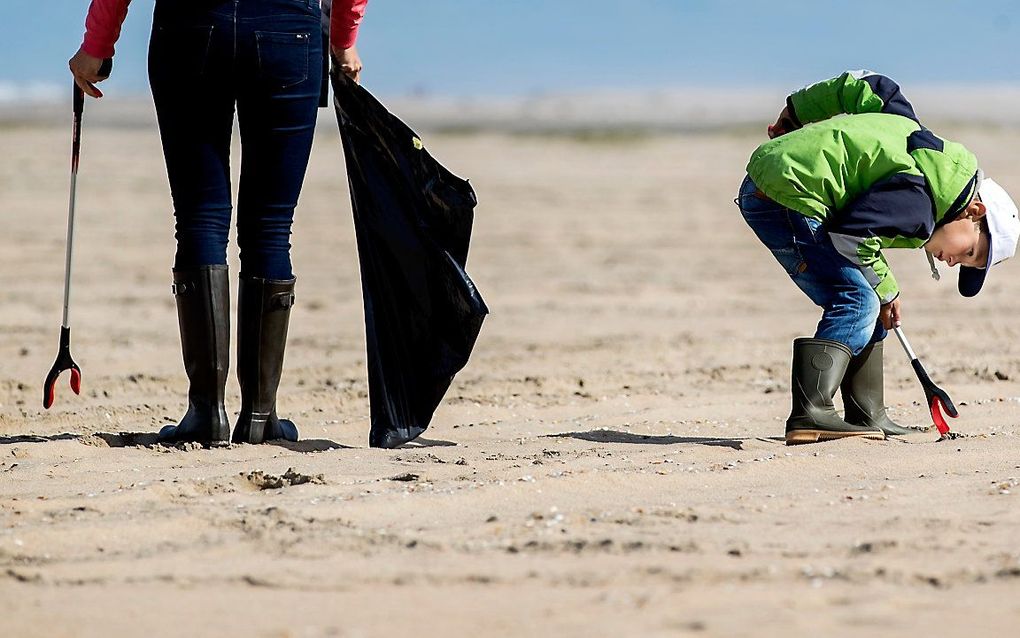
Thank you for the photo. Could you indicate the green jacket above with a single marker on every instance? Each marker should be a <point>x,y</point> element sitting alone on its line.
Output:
<point>875,178</point>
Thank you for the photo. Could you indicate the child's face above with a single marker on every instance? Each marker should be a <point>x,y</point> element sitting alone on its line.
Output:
<point>961,240</point>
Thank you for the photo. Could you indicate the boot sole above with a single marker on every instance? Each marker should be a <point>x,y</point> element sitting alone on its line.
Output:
<point>167,435</point>
<point>800,437</point>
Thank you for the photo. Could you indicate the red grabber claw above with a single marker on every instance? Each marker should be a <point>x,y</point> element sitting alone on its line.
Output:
<point>76,379</point>
<point>64,362</point>
<point>937,418</point>
<point>937,405</point>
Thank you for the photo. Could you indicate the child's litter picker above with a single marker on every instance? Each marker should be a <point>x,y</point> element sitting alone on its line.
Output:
<point>937,398</point>
<point>64,360</point>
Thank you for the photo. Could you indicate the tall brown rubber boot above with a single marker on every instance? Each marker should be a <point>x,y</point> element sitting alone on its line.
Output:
<point>818,368</point>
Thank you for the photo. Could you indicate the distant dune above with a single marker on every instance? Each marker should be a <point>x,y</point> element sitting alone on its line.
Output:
<point>665,110</point>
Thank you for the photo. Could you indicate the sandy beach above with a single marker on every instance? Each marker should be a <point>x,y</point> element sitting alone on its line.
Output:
<point>610,463</point>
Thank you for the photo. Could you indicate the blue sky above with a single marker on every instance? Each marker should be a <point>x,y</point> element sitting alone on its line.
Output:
<point>509,47</point>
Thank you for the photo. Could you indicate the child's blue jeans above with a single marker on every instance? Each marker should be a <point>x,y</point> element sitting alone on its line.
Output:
<point>849,305</point>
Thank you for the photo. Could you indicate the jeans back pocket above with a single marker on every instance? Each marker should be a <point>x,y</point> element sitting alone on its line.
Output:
<point>282,58</point>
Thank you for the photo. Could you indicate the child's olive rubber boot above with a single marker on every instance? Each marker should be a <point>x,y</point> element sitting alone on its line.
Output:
<point>263,313</point>
<point>864,394</point>
<point>203,312</point>
<point>818,368</point>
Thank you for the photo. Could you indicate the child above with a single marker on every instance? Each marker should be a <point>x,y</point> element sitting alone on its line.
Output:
<point>827,198</point>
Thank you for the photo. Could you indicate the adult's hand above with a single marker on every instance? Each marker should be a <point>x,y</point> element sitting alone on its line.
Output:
<point>85,69</point>
<point>784,124</point>
<point>349,61</point>
<point>890,314</point>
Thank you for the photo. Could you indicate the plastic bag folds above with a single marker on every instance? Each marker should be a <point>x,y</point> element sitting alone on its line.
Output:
<point>412,219</point>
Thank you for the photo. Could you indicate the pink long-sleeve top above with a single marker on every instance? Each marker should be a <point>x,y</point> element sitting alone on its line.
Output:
<point>105,17</point>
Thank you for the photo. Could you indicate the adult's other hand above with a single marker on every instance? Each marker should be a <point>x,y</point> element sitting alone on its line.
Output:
<point>349,61</point>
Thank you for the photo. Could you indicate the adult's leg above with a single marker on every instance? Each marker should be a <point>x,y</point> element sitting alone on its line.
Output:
<point>195,112</point>
<point>190,56</point>
<point>276,113</point>
<point>276,109</point>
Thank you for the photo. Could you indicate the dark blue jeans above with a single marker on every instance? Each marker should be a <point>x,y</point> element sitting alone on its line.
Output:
<point>205,56</point>
<point>849,305</point>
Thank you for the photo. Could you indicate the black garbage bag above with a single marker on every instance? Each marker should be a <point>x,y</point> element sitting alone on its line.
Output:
<point>413,222</point>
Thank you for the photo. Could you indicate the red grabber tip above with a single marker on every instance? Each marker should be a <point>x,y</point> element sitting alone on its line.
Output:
<point>936,416</point>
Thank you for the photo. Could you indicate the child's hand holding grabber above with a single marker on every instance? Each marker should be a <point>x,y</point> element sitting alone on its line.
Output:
<point>890,315</point>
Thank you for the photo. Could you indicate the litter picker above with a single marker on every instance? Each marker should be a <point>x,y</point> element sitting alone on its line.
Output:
<point>64,359</point>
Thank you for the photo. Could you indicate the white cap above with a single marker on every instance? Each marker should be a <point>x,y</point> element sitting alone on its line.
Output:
<point>1003,230</point>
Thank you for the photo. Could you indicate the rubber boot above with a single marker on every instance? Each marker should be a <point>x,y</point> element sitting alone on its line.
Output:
<point>203,311</point>
<point>818,368</point>
<point>263,314</point>
<point>864,394</point>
